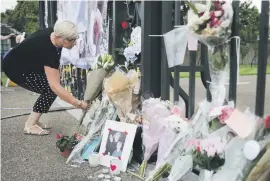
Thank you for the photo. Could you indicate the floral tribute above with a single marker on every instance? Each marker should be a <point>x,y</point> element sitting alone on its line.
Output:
<point>65,144</point>
<point>211,24</point>
<point>213,19</point>
<point>208,153</point>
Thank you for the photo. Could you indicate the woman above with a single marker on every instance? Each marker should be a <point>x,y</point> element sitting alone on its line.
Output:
<point>33,65</point>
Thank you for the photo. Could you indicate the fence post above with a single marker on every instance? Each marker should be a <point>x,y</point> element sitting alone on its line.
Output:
<point>41,14</point>
<point>262,58</point>
<point>233,53</point>
<point>177,21</point>
<point>150,47</point>
<point>119,15</point>
<point>165,73</point>
<point>52,11</point>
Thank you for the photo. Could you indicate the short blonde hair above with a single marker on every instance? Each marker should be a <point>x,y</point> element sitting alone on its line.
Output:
<point>66,29</point>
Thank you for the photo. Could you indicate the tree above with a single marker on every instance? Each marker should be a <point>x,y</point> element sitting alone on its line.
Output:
<point>24,17</point>
<point>249,29</point>
<point>249,22</point>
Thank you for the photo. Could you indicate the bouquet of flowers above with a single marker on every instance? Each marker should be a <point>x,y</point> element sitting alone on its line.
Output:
<point>208,154</point>
<point>65,144</point>
<point>104,61</point>
<point>105,111</point>
<point>173,125</point>
<point>154,112</point>
<point>211,23</point>
<point>96,76</point>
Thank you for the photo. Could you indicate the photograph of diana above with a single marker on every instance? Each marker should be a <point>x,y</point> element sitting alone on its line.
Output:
<point>115,143</point>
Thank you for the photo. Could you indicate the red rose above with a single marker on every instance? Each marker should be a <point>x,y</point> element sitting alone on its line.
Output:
<point>267,122</point>
<point>198,149</point>
<point>124,25</point>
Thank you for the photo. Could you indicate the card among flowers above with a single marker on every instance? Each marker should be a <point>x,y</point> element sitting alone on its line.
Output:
<point>117,142</point>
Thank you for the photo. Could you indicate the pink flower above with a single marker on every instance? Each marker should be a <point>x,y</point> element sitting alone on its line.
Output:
<point>194,142</point>
<point>79,137</point>
<point>176,110</point>
<point>226,113</point>
<point>267,122</point>
<point>211,151</point>
<point>59,136</point>
<point>198,149</point>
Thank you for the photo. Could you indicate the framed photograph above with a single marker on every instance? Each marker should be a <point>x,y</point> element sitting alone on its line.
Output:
<point>117,142</point>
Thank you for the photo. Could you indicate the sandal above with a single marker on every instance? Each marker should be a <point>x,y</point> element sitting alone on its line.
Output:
<point>29,131</point>
<point>44,126</point>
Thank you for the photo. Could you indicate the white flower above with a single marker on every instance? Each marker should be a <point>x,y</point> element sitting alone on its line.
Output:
<point>218,13</point>
<point>130,53</point>
<point>199,21</point>
<point>211,151</point>
<point>194,27</point>
<point>205,16</point>
<point>105,65</point>
<point>201,7</point>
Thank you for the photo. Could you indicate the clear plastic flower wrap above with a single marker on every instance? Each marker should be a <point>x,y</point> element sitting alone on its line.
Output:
<point>106,111</point>
<point>120,87</point>
<point>172,126</point>
<point>179,146</point>
<point>154,112</point>
<point>237,166</point>
<point>181,166</point>
<point>175,42</point>
<point>211,24</point>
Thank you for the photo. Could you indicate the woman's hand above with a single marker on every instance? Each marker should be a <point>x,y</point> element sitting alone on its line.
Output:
<point>84,105</point>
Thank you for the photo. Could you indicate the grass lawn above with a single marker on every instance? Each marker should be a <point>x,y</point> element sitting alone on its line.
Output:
<point>244,70</point>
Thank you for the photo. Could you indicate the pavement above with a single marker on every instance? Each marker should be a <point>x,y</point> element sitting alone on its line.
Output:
<point>34,158</point>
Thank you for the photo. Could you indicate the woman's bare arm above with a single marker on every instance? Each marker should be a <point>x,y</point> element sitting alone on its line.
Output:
<point>53,77</point>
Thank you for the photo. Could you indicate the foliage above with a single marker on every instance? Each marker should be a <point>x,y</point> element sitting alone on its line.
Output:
<point>104,61</point>
<point>249,22</point>
<point>205,162</point>
<point>24,17</point>
<point>66,142</point>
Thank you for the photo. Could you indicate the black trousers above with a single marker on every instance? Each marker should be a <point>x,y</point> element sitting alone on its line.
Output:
<point>38,83</point>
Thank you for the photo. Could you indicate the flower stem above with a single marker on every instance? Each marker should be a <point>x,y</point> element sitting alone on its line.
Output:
<point>142,168</point>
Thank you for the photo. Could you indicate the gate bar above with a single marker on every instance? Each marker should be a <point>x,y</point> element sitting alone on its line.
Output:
<point>262,58</point>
